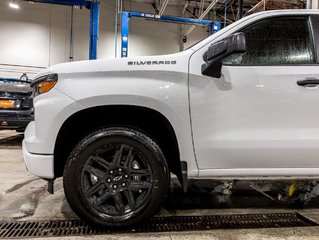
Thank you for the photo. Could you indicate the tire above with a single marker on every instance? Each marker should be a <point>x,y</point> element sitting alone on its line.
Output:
<point>116,177</point>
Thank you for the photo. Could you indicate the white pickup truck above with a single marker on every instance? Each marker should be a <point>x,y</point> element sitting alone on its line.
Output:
<point>240,104</point>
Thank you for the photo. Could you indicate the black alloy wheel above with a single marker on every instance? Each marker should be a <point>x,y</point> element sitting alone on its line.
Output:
<point>116,177</point>
<point>117,180</point>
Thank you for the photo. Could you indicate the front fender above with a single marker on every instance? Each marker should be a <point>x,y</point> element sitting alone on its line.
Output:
<point>164,92</point>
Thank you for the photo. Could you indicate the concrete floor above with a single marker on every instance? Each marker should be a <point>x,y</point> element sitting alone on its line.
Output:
<point>24,197</point>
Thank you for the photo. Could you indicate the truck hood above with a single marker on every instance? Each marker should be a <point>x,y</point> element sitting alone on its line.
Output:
<point>172,62</point>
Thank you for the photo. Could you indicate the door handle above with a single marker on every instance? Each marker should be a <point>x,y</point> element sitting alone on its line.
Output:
<point>309,83</point>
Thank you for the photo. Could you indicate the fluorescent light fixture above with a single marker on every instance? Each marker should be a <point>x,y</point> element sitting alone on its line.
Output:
<point>14,5</point>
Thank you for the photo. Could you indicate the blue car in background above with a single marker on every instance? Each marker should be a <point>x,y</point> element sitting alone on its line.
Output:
<point>16,105</point>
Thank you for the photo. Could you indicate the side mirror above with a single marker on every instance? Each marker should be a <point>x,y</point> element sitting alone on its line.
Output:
<point>217,52</point>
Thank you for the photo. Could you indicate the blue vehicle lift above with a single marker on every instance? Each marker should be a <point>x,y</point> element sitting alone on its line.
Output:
<point>214,26</point>
<point>94,19</point>
<point>94,29</point>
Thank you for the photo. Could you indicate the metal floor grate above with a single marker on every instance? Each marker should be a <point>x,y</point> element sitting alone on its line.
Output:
<point>27,229</point>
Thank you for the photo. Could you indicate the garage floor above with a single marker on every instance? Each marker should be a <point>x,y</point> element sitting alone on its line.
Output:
<point>24,197</point>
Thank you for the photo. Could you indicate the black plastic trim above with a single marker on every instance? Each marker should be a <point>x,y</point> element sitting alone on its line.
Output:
<point>16,118</point>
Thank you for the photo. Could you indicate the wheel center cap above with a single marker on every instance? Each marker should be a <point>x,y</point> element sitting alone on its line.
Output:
<point>118,178</point>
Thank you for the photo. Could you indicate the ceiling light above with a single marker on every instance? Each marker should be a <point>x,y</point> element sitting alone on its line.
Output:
<point>14,5</point>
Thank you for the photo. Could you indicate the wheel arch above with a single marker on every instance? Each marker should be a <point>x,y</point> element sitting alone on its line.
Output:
<point>81,123</point>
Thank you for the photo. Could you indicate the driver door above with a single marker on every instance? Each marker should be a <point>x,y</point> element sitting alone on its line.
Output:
<point>256,116</point>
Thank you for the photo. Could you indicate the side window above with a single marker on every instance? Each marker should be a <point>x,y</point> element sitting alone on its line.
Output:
<point>277,41</point>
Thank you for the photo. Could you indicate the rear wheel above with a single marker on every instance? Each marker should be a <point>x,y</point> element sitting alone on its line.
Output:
<point>116,177</point>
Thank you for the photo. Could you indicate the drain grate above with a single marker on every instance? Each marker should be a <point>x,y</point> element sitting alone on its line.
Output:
<point>28,229</point>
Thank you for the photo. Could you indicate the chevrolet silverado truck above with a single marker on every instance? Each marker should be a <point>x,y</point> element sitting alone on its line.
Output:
<point>240,104</point>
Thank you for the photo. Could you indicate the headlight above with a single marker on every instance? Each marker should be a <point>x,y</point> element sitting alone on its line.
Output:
<point>43,84</point>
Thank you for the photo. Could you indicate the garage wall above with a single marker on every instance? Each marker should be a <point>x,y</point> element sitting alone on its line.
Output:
<point>32,38</point>
<point>38,35</point>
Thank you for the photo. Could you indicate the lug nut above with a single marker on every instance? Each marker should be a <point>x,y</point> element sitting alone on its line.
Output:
<point>108,180</point>
<point>126,176</point>
<point>123,184</point>
<point>114,186</point>
<point>111,171</point>
<point>120,169</point>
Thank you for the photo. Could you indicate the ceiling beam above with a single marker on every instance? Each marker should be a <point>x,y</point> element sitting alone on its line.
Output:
<point>260,6</point>
<point>210,6</point>
<point>155,8</point>
<point>163,7</point>
<point>185,7</point>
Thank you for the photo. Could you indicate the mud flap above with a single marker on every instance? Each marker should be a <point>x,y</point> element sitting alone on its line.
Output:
<point>50,187</point>
<point>182,177</point>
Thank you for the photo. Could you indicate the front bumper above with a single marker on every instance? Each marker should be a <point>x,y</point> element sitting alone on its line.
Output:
<point>51,111</point>
<point>41,165</point>
<point>15,119</point>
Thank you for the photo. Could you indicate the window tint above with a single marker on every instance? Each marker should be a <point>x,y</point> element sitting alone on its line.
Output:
<point>277,41</point>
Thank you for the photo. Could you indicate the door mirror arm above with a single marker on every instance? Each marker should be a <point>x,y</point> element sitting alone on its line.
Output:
<point>217,52</point>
